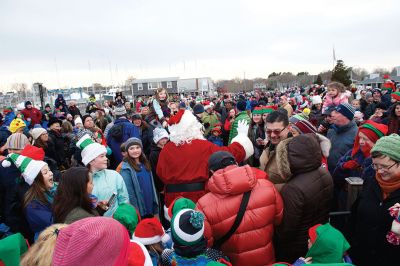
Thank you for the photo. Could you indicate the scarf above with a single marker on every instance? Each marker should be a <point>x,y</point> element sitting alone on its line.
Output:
<point>51,193</point>
<point>388,186</point>
<point>190,251</point>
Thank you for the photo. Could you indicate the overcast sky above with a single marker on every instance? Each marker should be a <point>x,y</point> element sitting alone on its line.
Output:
<point>79,42</point>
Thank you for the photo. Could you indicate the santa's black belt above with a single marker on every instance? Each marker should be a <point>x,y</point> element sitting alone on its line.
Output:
<point>190,187</point>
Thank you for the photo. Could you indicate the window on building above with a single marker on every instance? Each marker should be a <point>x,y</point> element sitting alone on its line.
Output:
<point>154,85</point>
<point>169,84</point>
<point>140,86</point>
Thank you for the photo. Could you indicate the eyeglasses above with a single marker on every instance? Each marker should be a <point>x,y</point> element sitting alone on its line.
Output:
<point>275,131</point>
<point>383,167</point>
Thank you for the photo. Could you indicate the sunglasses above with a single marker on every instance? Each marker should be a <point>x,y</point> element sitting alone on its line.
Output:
<point>275,131</point>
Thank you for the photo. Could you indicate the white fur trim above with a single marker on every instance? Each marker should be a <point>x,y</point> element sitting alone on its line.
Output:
<point>182,235</point>
<point>91,152</point>
<point>396,227</point>
<point>82,139</point>
<point>325,145</point>
<point>147,258</point>
<point>166,215</point>
<point>147,240</point>
<point>188,129</point>
<point>246,144</point>
<point>32,170</point>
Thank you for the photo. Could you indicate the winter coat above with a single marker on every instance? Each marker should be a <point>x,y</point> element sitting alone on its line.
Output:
<point>55,148</point>
<point>342,140</point>
<point>34,114</point>
<point>118,134</point>
<point>77,214</point>
<point>289,109</point>
<point>147,139</point>
<point>370,222</point>
<point>316,117</point>
<point>177,166</point>
<point>153,158</point>
<point>134,191</point>
<point>252,241</point>
<point>105,183</point>
<point>341,98</point>
<point>39,216</point>
<point>307,194</point>
<point>255,132</point>
<point>268,164</point>
<point>73,110</point>
<point>239,117</point>
<point>370,110</point>
<point>216,140</point>
<point>209,121</point>
<point>4,134</point>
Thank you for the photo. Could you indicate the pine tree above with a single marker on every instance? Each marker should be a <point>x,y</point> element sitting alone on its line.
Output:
<point>341,73</point>
<point>319,80</point>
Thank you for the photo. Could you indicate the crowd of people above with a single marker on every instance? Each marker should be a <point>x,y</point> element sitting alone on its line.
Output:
<point>234,179</point>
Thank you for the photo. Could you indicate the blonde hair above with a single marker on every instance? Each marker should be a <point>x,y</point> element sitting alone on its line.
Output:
<point>157,92</point>
<point>41,253</point>
<point>337,85</point>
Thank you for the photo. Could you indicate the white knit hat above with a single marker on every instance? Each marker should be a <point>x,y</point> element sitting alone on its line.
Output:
<point>89,149</point>
<point>78,120</point>
<point>159,133</point>
<point>316,99</point>
<point>28,167</point>
<point>37,132</point>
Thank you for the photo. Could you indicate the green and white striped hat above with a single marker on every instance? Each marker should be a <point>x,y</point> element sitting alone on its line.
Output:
<point>28,167</point>
<point>89,149</point>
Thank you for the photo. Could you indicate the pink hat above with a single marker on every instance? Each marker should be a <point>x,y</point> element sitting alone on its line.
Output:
<point>92,241</point>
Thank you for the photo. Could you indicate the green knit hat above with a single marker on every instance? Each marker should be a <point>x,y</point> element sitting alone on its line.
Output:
<point>269,109</point>
<point>177,205</point>
<point>128,216</point>
<point>258,110</point>
<point>389,146</point>
<point>12,248</point>
<point>28,167</point>
<point>395,95</point>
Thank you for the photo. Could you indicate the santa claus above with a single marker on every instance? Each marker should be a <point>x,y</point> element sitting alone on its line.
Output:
<point>183,162</point>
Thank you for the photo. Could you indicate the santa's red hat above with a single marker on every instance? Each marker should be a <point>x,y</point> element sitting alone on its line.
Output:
<point>33,152</point>
<point>150,231</point>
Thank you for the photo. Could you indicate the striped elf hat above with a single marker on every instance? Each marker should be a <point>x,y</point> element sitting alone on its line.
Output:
<point>28,167</point>
<point>269,109</point>
<point>187,227</point>
<point>258,110</point>
<point>396,95</point>
<point>89,149</point>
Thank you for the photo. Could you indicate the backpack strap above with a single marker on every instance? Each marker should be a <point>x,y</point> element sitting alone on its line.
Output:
<point>236,223</point>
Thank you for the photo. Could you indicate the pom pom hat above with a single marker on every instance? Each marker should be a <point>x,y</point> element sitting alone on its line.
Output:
<point>28,167</point>
<point>90,149</point>
<point>150,231</point>
<point>187,227</point>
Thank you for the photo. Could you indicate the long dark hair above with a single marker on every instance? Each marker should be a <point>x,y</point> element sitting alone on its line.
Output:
<point>72,193</point>
<point>394,121</point>
<point>40,143</point>
<point>36,191</point>
<point>142,159</point>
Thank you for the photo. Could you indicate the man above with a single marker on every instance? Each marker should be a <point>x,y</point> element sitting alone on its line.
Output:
<point>31,114</point>
<point>73,109</point>
<point>209,119</point>
<point>55,149</point>
<point>88,122</point>
<point>284,103</point>
<point>277,129</point>
<point>225,195</point>
<point>241,116</point>
<point>341,134</point>
<point>122,130</point>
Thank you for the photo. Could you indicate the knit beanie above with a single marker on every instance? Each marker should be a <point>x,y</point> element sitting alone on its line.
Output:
<point>178,204</point>
<point>258,110</point>
<point>241,105</point>
<point>33,152</point>
<point>373,131</point>
<point>396,95</point>
<point>37,132</point>
<point>119,110</point>
<point>187,227</point>
<point>17,141</point>
<point>78,120</point>
<point>12,248</point>
<point>269,109</point>
<point>389,146</point>
<point>346,110</point>
<point>198,109</point>
<point>159,133</point>
<point>7,110</point>
<point>92,241</point>
<point>16,124</point>
<point>89,149</point>
<point>127,215</point>
<point>133,141</point>
<point>304,127</point>
<point>28,167</point>
<point>150,231</point>
<point>316,100</point>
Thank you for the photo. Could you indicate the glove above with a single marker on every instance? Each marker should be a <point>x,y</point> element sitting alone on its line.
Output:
<point>243,127</point>
<point>352,164</point>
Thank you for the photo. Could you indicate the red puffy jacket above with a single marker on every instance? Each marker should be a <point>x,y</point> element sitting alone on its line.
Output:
<point>251,244</point>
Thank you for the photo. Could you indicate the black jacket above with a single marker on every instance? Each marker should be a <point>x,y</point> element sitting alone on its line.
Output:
<point>55,149</point>
<point>153,158</point>
<point>370,222</point>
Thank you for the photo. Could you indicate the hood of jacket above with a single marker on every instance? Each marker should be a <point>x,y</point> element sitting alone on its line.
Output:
<point>232,180</point>
<point>298,155</point>
<point>329,246</point>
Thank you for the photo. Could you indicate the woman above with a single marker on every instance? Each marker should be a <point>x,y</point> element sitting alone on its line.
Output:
<point>136,172</point>
<point>371,220</point>
<point>146,132</point>
<point>394,119</point>
<point>39,197</point>
<point>74,200</point>
<point>106,182</point>
<point>101,120</point>
<point>257,135</point>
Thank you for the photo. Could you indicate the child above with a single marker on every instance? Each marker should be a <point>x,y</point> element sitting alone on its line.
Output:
<point>136,172</point>
<point>215,135</point>
<point>356,104</point>
<point>326,245</point>
<point>159,109</point>
<point>336,95</point>
<point>151,234</point>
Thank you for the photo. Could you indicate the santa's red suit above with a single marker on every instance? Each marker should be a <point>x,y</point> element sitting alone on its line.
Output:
<point>183,162</point>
